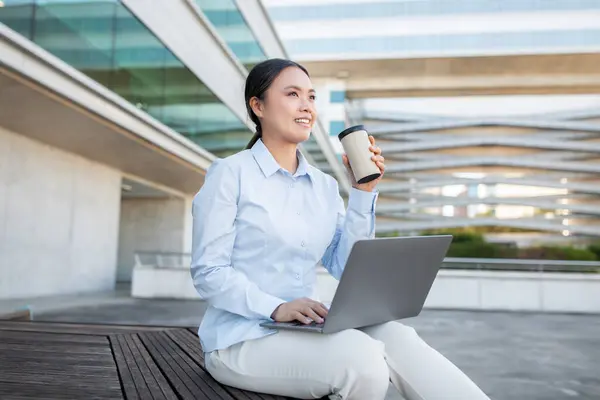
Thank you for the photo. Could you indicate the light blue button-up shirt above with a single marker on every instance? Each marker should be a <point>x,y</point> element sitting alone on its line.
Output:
<point>258,234</point>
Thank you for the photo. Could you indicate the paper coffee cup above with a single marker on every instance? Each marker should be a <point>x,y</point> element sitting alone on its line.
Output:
<point>355,141</point>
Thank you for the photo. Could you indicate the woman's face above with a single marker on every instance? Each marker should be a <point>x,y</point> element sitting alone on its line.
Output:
<point>289,106</point>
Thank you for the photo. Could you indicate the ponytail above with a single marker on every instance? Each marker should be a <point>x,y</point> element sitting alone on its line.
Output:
<point>255,137</point>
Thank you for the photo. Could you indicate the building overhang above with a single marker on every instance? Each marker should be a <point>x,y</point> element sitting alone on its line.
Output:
<point>566,73</point>
<point>47,100</point>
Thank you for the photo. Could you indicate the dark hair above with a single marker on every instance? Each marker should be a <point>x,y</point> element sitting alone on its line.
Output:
<point>258,81</point>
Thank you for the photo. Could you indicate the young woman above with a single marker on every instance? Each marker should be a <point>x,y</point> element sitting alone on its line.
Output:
<point>263,220</point>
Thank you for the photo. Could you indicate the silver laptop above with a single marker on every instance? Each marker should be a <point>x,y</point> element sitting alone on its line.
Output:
<point>385,279</point>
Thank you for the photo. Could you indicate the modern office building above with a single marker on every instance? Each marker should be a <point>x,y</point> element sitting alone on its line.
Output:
<point>110,114</point>
<point>112,110</point>
<point>488,111</point>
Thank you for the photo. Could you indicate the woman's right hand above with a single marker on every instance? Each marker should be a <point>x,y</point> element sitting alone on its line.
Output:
<point>304,310</point>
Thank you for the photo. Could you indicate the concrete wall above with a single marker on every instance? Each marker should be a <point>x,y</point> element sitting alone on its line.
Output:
<point>151,224</point>
<point>59,218</point>
<point>516,291</point>
<point>503,291</point>
<point>452,289</point>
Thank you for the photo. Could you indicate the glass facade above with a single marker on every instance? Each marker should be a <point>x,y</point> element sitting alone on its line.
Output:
<point>104,40</point>
<point>232,27</point>
<point>378,9</point>
<point>449,44</point>
<point>336,127</point>
<point>337,96</point>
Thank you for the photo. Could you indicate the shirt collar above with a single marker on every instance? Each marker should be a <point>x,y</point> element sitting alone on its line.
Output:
<point>269,165</point>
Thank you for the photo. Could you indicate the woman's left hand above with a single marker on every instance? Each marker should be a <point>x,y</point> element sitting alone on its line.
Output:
<point>377,158</point>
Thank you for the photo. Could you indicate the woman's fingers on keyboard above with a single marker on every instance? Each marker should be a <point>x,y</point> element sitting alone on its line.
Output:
<point>324,309</point>
<point>300,317</point>
<point>319,308</point>
<point>304,310</point>
<point>310,313</point>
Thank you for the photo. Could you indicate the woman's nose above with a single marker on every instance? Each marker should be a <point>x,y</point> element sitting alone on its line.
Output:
<point>306,106</point>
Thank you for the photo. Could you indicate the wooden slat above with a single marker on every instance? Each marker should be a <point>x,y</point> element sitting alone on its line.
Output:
<point>69,378</point>
<point>19,315</point>
<point>138,378</point>
<point>50,367</point>
<point>65,361</point>
<point>157,384</point>
<point>194,331</point>
<point>191,345</point>
<point>174,374</point>
<point>75,329</point>
<point>187,376</point>
<point>63,348</point>
<point>70,359</point>
<point>162,382</point>
<point>188,372</point>
<point>193,363</point>
<point>56,369</point>
<point>57,390</point>
<point>38,337</point>
<point>125,375</point>
<point>189,342</point>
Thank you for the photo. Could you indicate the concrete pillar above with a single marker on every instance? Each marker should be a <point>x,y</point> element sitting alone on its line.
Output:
<point>59,218</point>
<point>155,225</point>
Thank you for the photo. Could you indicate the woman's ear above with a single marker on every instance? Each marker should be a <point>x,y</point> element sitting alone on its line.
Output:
<point>257,106</point>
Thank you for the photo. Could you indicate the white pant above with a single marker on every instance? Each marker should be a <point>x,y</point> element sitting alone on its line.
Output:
<point>352,364</point>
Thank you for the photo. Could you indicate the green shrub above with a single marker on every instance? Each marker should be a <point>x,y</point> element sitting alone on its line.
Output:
<point>557,253</point>
<point>595,248</point>
<point>472,250</point>
<point>466,237</point>
<point>482,249</point>
<point>490,229</point>
<point>469,243</point>
<point>459,235</point>
<point>387,234</point>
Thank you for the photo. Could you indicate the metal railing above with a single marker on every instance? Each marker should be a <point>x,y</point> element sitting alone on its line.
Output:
<point>174,260</point>
<point>162,259</point>
<point>522,265</point>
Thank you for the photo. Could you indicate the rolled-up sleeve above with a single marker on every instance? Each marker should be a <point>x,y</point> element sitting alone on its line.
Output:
<point>214,211</point>
<point>354,223</point>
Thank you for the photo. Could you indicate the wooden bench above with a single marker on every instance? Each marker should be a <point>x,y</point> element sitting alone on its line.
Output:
<point>66,361</point>
<point>18,315</point>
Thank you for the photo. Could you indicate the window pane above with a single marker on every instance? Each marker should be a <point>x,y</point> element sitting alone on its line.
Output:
<point>18,16</point>
<point>108,43</point>
<point>232,27</point>
<point>336,127</point>
<point>139,64</point>
<point>79,34</point>
<point>337,96</point>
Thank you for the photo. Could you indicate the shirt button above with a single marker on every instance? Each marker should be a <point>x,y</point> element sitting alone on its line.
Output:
<point>297,276</point>
<point>291,185</point>
<point>298,212</point>
<point>302,244</point>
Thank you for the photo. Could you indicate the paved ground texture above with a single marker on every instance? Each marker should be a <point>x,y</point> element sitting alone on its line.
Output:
<point>511,356</point>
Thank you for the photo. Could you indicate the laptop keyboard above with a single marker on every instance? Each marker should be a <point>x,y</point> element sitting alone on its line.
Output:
<point>298,323</point>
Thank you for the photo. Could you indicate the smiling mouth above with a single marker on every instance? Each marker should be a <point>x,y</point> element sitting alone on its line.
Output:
<point>304,121</point>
